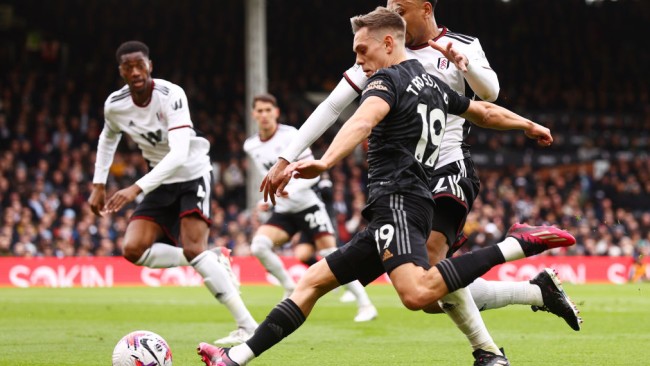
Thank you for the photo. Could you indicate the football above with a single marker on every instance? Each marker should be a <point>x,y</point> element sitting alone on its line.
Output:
<point>142,348</point>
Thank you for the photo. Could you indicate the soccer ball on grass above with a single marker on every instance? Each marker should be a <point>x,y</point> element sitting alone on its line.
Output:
<point>142,348</point>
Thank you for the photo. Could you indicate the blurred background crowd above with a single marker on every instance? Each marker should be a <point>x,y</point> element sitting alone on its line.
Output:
<point>575,67</point>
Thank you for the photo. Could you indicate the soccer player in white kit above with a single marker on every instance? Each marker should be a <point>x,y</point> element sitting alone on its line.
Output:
<point>176,204</point>
<point>301,212</point>
<point>458,60</point>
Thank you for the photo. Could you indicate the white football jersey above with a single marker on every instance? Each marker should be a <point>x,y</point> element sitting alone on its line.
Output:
<point>435,63</point>
<point>149,125</point>
<point>264,154</point>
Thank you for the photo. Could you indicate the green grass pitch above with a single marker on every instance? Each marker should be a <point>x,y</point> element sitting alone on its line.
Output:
<point>79,326</point>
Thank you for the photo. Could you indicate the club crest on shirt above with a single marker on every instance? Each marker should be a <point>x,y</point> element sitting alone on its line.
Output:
<point>443,63</point>
<point>377,84</point>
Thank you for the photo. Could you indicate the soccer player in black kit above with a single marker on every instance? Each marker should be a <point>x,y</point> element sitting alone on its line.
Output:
<point>403,113</point>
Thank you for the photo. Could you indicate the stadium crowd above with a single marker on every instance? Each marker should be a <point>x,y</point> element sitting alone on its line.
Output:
<point>594,181</point>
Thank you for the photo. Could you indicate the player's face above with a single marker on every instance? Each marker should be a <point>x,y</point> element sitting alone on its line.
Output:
<point>413,13</point>
<point>135,69</point>
<point>371,51</point>
<point>266,115</point>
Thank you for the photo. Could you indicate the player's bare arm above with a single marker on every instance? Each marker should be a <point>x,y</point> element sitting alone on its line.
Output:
<point>353,132</point>
<point>540,133</point>
<point>316,124</point>
<point>121,198</point>
<point>488,115</point>
<point>97,199</point>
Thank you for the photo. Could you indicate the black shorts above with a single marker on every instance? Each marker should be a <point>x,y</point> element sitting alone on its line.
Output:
<point>168,203</point>
<point>312,223</point>
<point>398,228</point>
<point>454,188</point>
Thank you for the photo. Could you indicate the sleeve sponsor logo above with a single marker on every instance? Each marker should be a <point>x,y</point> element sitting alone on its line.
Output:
<point>376,85</point>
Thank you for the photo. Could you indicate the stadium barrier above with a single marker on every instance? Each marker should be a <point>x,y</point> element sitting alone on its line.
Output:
<point>116,271</point>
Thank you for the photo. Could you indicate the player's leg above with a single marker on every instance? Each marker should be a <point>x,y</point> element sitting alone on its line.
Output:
<point>543,292</point>
<point>194,236</point>
<point>305,253</point>
<point>521,241</point>
<point>418,287</point>
<point>454,194</point>
<point>139,238</point>
<point>458,186</point>
<point>148,235</point>
<point>459,305</point>
<point>265,239</point>
<point>283,320</point>
<point>357,260</point>
<point>538,293</point>
<point>454,189</point>
<point>193,214</point>
<point>326,245</point>
<point>320,231</point>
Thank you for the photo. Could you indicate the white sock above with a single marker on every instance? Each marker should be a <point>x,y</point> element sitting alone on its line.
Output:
<point>218,282</point>
<point>459,306</point>
<point>242,354</point>
<point>161,255</point>
<point>511,249</point>
<point>359,292</point>
<point>497,294</point>
<point>262,248</point>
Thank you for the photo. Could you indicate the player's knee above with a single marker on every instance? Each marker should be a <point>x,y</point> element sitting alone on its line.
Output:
<point>415,300</point>
<point>261,245</point>
<point>133,251</point>
<point>411,303</point>
<point>433,308</point>
<point>192,251</point>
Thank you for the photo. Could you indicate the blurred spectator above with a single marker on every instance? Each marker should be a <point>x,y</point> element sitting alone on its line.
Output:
<point>594,180</point>
<point>638,272</point>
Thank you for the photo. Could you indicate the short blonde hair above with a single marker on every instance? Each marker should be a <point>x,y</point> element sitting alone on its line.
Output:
<point>380,19</point>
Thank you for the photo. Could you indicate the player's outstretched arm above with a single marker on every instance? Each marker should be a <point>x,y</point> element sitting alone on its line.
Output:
<point>356,129</point>
<point>316,124</point>
<point>353,132</point>
<point>488,115</point>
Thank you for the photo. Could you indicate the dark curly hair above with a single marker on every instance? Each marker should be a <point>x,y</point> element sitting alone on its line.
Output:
<point>130,47</point>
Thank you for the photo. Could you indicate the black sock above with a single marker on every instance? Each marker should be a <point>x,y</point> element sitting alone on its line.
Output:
<point>281,321</point>
<point>458,272</point>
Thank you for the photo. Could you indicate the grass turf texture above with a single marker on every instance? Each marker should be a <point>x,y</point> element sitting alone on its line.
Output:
<point>43,326</point>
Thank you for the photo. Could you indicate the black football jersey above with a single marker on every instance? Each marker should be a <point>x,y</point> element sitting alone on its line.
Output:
<point>403,148</point>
